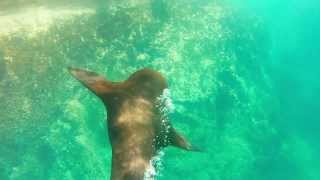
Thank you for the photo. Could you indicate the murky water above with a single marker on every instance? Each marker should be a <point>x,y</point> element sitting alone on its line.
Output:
<point>243,78</point>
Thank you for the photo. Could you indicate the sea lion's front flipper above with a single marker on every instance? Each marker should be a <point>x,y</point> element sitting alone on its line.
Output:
<point>179,141</point>
<point>93,81</point>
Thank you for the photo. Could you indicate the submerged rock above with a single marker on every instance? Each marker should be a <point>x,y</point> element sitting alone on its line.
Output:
<point>212,62</point>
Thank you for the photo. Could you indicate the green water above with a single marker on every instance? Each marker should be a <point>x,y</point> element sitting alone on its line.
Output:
<point>243,77</point>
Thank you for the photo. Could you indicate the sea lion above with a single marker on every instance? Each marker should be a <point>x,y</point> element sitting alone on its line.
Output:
<point>136,127</point>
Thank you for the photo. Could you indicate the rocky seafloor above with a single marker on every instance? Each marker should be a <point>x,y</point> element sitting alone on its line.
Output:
<point>214,57</point>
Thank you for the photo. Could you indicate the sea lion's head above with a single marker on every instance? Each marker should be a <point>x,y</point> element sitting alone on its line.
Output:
<point>147,83</point>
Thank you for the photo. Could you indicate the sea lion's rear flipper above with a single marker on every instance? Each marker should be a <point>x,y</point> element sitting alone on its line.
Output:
<point>93,81</point>
<point>179,141</point>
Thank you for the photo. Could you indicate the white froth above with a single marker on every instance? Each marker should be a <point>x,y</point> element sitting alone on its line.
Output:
<point>166,107</point>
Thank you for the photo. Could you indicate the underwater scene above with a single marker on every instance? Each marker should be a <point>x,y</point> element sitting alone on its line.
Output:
<point>243,87</point>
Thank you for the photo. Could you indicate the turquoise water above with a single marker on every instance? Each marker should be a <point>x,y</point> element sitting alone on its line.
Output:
<point>243,78</point>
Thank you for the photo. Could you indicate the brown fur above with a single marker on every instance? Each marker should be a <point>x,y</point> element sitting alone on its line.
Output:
<point>134,125</point>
